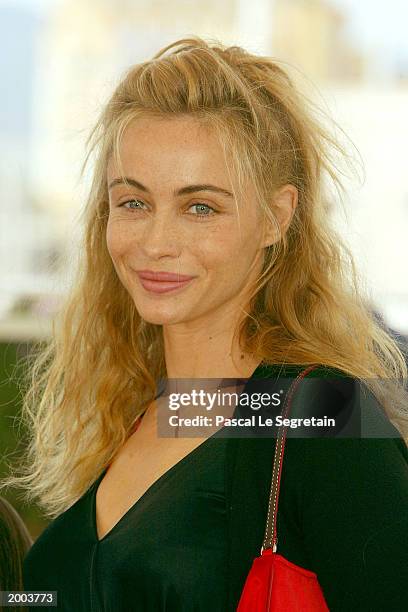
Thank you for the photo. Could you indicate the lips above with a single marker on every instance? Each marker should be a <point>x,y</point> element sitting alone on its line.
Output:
<point>163,282</point>
<point>163,276</point>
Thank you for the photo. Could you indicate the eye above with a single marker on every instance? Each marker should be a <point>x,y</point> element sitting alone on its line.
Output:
<point>203,210</point>
<point>123,205</point>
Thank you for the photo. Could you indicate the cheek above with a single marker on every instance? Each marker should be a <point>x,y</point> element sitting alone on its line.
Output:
<point>229,250</point>
<point>117,239</point>
<point>215,251</point>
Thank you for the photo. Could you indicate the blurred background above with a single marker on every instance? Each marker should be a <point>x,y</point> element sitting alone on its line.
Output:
<point>59,61</point>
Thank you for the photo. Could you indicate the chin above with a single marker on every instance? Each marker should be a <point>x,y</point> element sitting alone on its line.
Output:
<point>158,316</point>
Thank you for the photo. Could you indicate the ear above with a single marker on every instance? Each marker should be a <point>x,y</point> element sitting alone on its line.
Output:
<point>284,204</point>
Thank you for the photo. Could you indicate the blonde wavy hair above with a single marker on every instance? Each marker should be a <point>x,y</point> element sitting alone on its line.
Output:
<point>100,368</point>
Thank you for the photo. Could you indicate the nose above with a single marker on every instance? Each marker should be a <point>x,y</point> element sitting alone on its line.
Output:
<point>162,236</point>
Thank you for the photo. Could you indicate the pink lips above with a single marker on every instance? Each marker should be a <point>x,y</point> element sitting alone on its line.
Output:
<point>162,282</point>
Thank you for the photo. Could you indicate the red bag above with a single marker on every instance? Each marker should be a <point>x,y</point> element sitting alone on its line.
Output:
<point>275,584</point>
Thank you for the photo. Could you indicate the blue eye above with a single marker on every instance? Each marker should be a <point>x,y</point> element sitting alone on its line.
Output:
<point>203,206</point>
<point>131,202</point>
<point>202,210</point>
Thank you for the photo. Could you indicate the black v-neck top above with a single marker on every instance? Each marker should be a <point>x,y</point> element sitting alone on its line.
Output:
<point>167,552</point>
<point>188,543</point>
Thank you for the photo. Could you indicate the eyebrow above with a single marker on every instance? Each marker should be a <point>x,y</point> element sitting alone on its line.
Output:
<point>183,191</point>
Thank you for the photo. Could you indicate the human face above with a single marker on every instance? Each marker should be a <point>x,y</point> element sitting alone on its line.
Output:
<point>155,225</point>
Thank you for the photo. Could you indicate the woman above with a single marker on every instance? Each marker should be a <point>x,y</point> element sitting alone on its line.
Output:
<point>15,541</point>
<point>208,254</point>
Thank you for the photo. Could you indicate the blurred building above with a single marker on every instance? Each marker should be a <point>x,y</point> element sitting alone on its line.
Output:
<point>312,35</point>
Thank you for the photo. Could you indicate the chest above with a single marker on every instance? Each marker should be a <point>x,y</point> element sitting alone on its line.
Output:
<point>142,461</point>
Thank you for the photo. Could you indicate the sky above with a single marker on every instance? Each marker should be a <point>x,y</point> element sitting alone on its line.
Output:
<point>378,24</point>
<point>17,36</point>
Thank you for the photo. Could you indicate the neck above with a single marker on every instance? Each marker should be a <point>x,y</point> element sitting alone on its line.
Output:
<point>206,351</point>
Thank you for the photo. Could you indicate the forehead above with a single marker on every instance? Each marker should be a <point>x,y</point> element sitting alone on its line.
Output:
<point>179,145</point>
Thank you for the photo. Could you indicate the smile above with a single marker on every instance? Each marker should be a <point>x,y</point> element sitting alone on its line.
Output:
<point>153,286</point>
